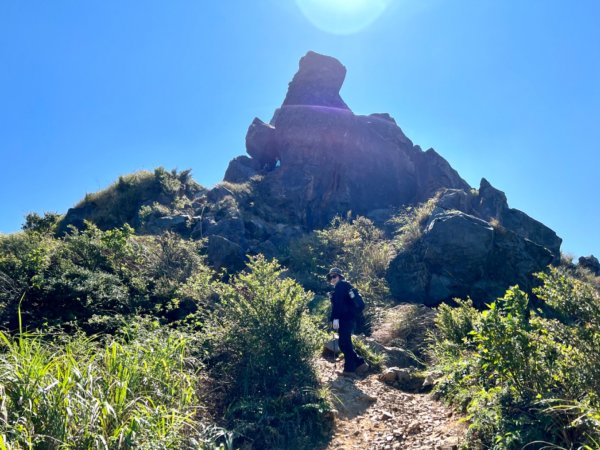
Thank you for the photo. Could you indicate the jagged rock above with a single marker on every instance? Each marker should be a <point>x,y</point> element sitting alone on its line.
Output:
<point>231,228</point>
<point>257,229</point>
<point>75,217</point>
<point>434,173</point>
<point>157,225</point>
<point>261,145</point>
<point>317,82</point>
<point>332,161</point>
<point>523,225</point>
<point>218,193</point>
<point>491,202</point>
<point>332,346</point>
<point>455,199</point>
<point>241,169</point>
<point>389,375</point>
<point>591,263</point>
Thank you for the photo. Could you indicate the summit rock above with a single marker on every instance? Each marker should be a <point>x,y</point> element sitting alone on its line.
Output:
<point>317,82</point>
<point>319,159</point>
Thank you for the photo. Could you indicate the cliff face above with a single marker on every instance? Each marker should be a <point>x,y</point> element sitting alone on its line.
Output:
<point>316,159</point>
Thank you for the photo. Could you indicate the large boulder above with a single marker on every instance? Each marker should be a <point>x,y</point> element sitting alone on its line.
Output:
<point>241,169</point>
<point>460,255</point>
<point>224,254</point>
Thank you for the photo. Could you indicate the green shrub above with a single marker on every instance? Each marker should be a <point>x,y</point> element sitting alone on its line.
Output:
<point>524,375</point>
<point>373,358</point>
<point>356,246</point>
<point>88,277</point>
<point>262,344</point>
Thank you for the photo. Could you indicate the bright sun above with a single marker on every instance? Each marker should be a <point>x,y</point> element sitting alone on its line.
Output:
<point>342,16</point>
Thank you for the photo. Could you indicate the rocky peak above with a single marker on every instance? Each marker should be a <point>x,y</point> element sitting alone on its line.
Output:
<point>317,82</point>
<point>318,159</point>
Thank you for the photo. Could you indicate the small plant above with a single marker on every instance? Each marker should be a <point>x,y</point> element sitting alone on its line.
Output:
<point>374,359</point>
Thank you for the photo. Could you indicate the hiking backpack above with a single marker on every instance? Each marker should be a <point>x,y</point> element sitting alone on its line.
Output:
<point>357,300</point>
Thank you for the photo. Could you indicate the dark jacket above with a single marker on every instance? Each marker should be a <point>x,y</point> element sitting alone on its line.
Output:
<point>342,306</point>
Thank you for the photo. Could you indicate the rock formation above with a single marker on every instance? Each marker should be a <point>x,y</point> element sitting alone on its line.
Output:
<point>316,159</point>
<point>319,159</point>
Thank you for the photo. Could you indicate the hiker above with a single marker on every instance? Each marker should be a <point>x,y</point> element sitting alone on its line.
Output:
<point>343,319</point>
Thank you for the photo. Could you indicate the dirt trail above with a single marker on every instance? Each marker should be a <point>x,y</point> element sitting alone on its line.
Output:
<point>373,415</point>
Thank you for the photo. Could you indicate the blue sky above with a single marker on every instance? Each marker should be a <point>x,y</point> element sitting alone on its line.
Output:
<point>506,90</point>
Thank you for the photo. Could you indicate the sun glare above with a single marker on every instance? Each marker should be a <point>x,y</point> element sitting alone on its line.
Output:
<point>342,16</point>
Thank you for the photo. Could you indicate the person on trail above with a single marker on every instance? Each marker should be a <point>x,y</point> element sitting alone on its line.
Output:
<point>343,319</point>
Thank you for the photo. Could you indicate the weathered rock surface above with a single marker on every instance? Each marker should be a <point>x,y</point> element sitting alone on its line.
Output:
<point>460,255</point>
<point>317,82</point>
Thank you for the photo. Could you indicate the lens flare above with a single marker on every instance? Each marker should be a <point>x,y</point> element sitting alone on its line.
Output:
<point>342,16</point>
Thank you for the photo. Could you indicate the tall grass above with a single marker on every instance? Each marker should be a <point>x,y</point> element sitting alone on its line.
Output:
<point>77,393</point>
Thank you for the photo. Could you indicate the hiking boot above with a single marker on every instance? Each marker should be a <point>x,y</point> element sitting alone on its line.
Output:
<point>362,368</point>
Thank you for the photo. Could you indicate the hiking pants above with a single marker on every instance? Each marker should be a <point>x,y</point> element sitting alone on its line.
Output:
<point>351,359</point>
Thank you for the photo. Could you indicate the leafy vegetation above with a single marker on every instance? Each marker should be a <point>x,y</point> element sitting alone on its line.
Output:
<point>525,377</point>
<point>355,245</point>
<point>118,340</point>
<point>262,343</point>
<point>252,339</point>
<point>95,279</point>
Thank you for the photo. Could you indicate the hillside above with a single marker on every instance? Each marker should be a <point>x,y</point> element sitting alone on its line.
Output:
<point>159,314</point>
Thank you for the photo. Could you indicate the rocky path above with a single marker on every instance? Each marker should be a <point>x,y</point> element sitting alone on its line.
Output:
<point>373,415</point>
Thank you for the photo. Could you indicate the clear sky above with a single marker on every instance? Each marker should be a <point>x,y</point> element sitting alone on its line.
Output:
<point>508,90</point>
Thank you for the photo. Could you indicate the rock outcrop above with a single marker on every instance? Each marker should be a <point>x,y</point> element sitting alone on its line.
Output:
<point>319,159</point>
<point>472,245</point>
<point>590,263</point>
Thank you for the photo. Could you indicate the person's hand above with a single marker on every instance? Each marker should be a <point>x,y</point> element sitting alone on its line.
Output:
<point>336,324</point>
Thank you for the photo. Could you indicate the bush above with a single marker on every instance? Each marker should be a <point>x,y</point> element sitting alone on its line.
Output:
<point>262,343</point>
<point>88,278</point>
<point>523,375</point>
